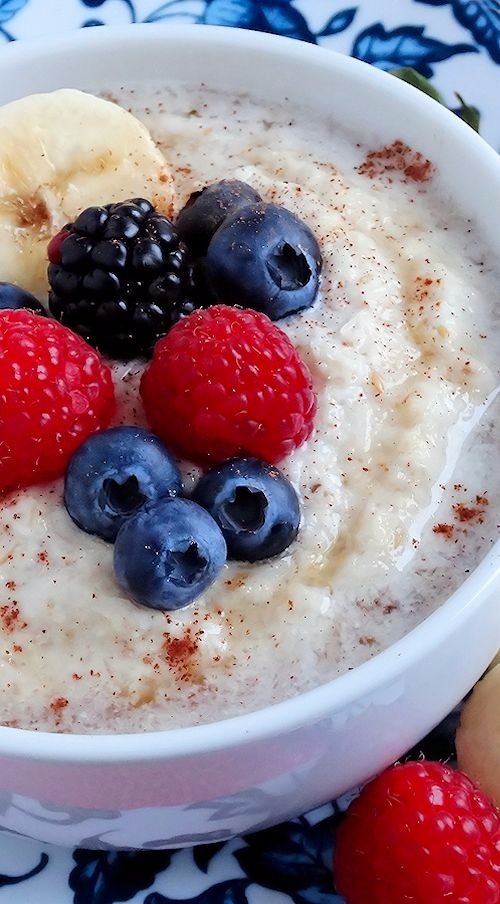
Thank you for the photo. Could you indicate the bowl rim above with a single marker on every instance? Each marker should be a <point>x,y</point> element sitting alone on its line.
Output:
<point>368,678</point>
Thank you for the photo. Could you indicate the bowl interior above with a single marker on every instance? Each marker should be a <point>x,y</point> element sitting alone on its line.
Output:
<point>369,104</point>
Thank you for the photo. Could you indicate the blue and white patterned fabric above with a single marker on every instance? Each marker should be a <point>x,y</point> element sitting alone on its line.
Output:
<point>288,864</point>
<point>455,43</point>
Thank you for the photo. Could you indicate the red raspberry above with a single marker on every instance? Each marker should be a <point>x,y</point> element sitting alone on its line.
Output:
<point>420,833</point>
<point>55,391</point>
<point>227,382</point>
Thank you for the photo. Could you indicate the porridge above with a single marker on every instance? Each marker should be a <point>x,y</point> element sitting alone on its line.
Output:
<point>398,497</point>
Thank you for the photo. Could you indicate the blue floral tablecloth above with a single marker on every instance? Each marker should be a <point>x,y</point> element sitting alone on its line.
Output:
<point>456,43</point>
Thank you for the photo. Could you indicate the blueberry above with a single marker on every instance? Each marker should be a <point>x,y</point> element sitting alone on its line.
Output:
<point>13,298</point>
<point>168,553</point>
<point>207,209</point>
<point>255,506</point>
<point>113,474</point>
<point>264,257</point>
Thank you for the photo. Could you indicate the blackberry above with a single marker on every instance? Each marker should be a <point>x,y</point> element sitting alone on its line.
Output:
<point>120,276</point>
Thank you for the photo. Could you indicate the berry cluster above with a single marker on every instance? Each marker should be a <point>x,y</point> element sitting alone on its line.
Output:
<point>225,388</point>
<point>123,485</point>
<point>121,275</point>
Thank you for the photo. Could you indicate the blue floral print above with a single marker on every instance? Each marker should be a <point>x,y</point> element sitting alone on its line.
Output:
<point>481,17</point>
<point>290,863</point>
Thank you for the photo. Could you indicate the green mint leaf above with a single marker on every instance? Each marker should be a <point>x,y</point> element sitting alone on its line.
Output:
<point>412,77</point>
<point>470,115</point>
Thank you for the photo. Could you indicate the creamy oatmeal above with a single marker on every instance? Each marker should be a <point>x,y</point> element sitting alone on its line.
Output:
<point>399,498</point>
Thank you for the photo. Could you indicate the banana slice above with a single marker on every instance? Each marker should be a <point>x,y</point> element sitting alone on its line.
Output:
<point>478,735</point>
<point>59,153</point>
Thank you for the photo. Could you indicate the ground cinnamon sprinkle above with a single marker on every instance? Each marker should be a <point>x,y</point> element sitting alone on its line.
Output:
<point>468,513</point>
<point>445,529</point>
<point>397,157</point>
<point>148,660</point>
<point>181,653</point>
<point>422,287</point>
<point>9,615</point>
<point>57,705</point>
<point>33,211</point>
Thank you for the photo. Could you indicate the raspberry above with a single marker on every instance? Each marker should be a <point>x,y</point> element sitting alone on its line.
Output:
<point>120,276</point>
<point>227,382</point>
<point>55,392</point>
<point>420,833</point>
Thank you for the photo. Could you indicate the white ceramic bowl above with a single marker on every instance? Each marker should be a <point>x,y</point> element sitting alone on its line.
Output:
<point>208,783</point>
